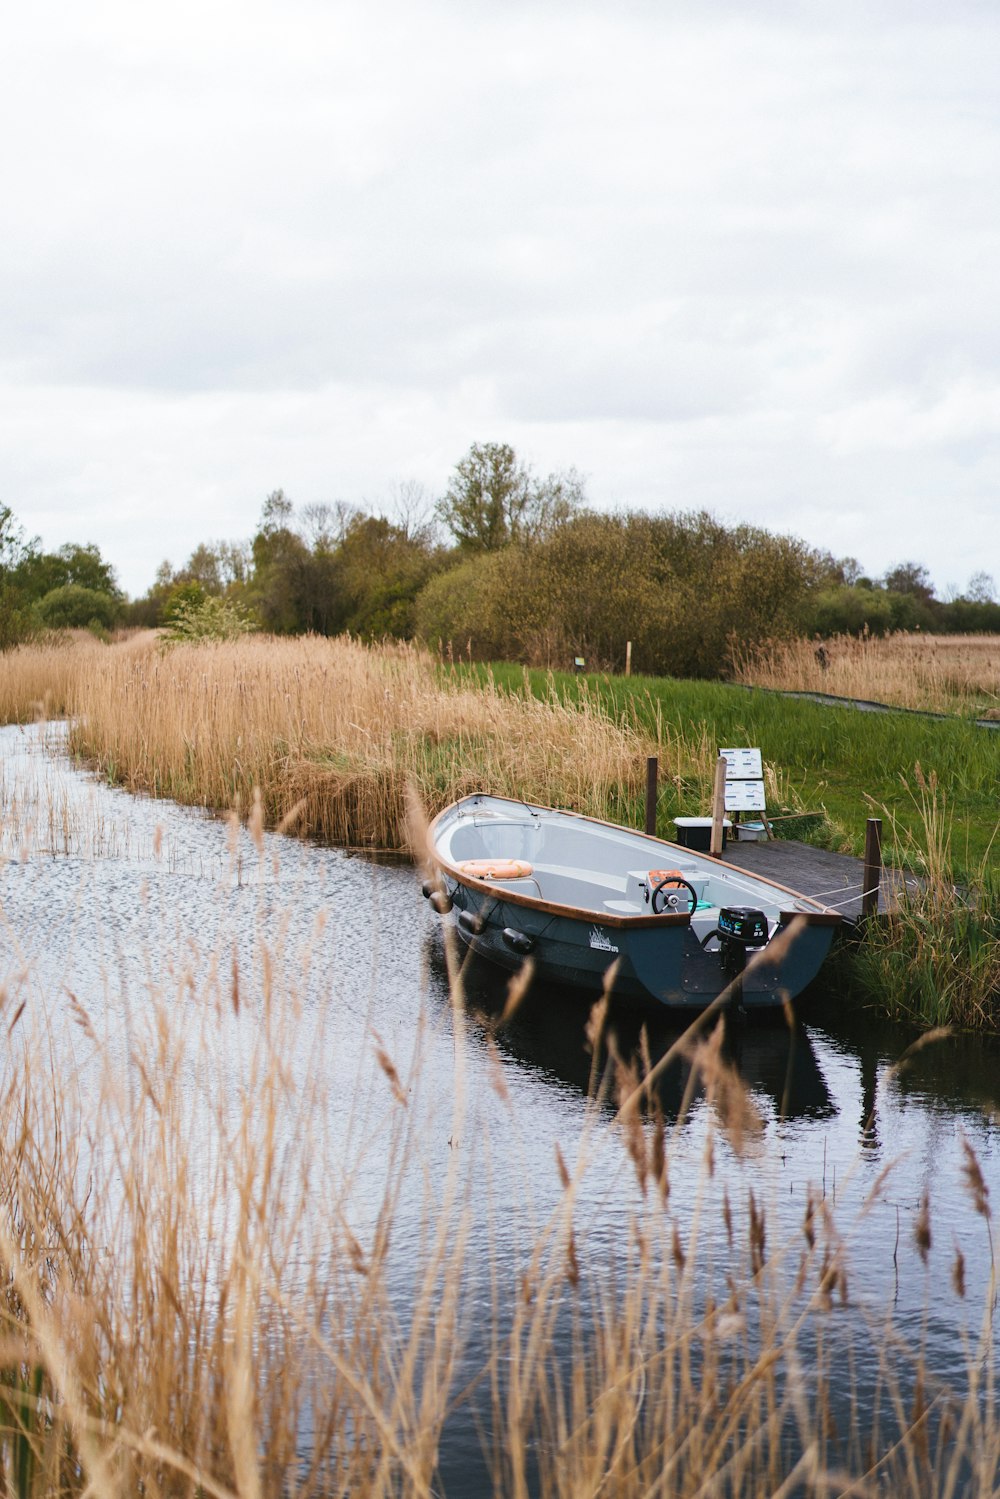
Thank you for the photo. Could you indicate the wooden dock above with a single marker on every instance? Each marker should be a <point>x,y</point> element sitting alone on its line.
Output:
<point>835,879</point>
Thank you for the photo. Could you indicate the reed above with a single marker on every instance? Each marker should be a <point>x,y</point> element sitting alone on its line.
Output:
<point>933,957</point>
<point>955,674</point>
<point>203,1295</point>
<point>41,679</point>
<point>329,733</point>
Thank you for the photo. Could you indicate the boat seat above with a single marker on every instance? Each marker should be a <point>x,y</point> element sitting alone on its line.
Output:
<point>623,907</point>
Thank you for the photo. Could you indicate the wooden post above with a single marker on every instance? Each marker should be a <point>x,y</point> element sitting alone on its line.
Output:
<point>872,877</point>
<point>718,807</point>
<point>628,658</point>
<point>652,770</point>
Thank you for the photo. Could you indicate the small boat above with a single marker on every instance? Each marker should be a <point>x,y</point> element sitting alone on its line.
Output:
<point>576,895</point>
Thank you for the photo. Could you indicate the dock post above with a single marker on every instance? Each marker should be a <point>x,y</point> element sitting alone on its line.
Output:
<point>652,771</point>
<point>718,808</point>
<point>872,876</point>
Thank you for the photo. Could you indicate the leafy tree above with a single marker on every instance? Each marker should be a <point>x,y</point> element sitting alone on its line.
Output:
<point>15,552</point>
<point>850,611</point>
<point>234,559</point>
<point>276,514</point>
<point>38,573</point>
<point>204,568</point>
<point>74,607</point>
<point>493,499</point>
<point>14,544</point>
<point>380,569</point>
<point>291,589</point>
<point>683,588</point>
<point>182,596</point>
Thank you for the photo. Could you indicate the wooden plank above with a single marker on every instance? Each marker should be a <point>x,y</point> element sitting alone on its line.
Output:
<point>718,808</point>
<point>652,770</point>
<point>872,878</point>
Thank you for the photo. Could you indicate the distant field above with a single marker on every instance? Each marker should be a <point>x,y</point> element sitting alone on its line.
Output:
<point>957,674</point>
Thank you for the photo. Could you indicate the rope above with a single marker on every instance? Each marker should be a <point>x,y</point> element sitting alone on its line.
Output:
<point>838,890</point>
<point>851,898</point>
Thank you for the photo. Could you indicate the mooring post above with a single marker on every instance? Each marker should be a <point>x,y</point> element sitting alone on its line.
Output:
<point>872,877</point>
<point>718,808</point>
<point>652,771</point>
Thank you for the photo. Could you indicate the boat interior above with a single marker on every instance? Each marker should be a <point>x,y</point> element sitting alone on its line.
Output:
<point>598,868</point>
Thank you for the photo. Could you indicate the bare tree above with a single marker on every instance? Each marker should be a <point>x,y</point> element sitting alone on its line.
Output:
<point>981,588</point>
<point>323,527</point>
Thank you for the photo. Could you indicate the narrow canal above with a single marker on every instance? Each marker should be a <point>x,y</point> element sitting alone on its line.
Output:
<point>110,903</point>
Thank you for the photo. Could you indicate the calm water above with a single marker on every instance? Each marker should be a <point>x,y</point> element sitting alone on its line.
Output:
<point>114,899</point>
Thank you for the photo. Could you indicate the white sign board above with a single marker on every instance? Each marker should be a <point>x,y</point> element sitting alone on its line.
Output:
<point>742,764</point>
<point>745,796</point>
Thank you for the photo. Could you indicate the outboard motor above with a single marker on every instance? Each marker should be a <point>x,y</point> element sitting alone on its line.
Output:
<point>739,928</point>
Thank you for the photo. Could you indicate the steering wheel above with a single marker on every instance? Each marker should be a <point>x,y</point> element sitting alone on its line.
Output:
<point>660,886</point>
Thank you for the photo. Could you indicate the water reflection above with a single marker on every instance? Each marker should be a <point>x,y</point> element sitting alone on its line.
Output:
<point>957,1074</point>
<point>548,1031</point>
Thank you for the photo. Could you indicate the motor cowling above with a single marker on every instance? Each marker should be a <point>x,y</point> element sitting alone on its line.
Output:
<point>740,929</point>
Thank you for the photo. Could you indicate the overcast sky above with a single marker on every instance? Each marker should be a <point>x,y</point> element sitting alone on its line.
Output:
<point>740,257</point>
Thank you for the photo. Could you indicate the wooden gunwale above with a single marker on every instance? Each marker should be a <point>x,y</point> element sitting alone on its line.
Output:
<point>553,908</point>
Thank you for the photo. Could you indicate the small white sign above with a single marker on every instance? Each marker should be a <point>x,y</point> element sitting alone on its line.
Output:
<point>745,796</point>
<point>742,764</point>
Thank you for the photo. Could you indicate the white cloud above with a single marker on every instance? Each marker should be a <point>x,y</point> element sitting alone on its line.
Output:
<point>709,256</point>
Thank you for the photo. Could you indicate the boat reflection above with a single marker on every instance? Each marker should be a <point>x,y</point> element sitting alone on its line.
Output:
<point>548,1032</point>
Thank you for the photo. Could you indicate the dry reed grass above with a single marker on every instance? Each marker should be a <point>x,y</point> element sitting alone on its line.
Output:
<point>329,732</point>
<point>184,1293</point>
<point>200,1298</point>
<point>42,679</point>
<point>169,1334</point>
<point>939,673</point>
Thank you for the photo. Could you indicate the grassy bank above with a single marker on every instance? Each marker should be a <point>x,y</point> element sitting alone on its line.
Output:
<point>335,730</point>
<point>851,765</point>
<point>934,959</point>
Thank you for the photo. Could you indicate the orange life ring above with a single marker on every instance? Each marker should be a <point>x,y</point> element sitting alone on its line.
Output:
<point>496,869</point>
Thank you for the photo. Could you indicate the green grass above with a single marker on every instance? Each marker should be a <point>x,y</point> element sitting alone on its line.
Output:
<point>852,765</point>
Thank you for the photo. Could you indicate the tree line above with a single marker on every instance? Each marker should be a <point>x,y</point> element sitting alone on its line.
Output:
<point>506,564</point>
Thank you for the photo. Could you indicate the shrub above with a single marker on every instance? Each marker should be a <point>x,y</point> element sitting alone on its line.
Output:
<point>73,607</point>
<point>682,589</point>
<point>212,619</point>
